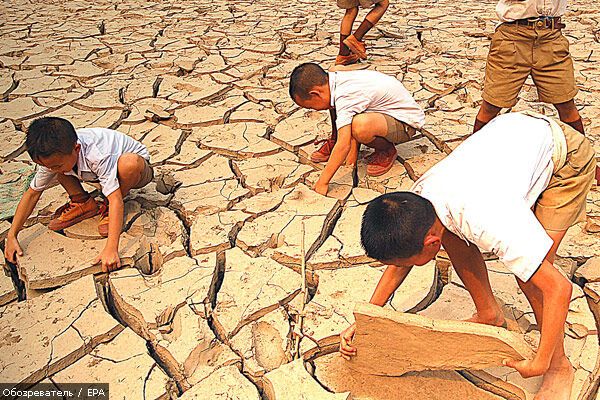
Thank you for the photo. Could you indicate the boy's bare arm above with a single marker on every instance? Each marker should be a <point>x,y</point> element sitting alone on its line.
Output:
<point>556,293</point>
<point>333,116</point>
<point>24,210</point>
<point>391,279</point>
<point>336,159</point>
<point>109,257</point>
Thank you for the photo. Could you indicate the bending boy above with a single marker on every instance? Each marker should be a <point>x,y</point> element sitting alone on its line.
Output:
<point>366,107</point>
<point>492,195</point>
<point>64,155</point>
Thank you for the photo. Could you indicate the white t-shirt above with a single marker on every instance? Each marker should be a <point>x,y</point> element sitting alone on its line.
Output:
<point>354,92</point>
<point>485,189</point>
<point>97,161</point>
<point>511,10</point>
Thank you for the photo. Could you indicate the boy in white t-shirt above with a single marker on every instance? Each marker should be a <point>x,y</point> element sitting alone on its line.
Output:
<point>366,107</point>
<point>538,190</point>
<point>68,157</point>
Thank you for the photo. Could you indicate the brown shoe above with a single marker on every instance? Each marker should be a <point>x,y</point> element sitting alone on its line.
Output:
<point>356,46</point>
<point>103,222</point>
<point>346,60</point>
<point>381,162</point>
<point>72,213</point>
<point>324,152</point>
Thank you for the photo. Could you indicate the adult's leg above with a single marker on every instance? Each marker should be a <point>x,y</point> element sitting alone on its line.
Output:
<point>486,113</point>
<point>371,19</point>
<point>558,381</point>
<point>569,114</point>
<point>468,263</point>
<point>346,29</point>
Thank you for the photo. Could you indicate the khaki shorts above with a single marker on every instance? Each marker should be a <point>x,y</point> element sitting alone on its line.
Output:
<point>147,175</point>
<point>516,52</point>
<point>398,131</point>
<point>562,204</point>
<point>346,4</point>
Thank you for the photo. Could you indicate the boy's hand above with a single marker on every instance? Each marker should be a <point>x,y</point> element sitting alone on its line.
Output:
<point>13,248</point>
<point>321,188</point>
<point>526,368</point>
<point>109,259</point>
<point>346,350</point>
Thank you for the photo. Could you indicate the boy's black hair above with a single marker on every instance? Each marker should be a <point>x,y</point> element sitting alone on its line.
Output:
<point>305,77</point>
<point>50,135</point>
<point>394,225</point>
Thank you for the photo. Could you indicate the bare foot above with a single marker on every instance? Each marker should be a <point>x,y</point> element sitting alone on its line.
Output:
<point>496,320</point>
<point>557,383</point>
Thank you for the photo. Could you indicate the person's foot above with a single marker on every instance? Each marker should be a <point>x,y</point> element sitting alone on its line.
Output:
<point>103,222</point>
<point>324,151</point>
<point>346,60</point>
<point>557,383</point>
<point>356,46</point>
<point>381,161</point>
<point>496,319</point>
<point>72,213</point>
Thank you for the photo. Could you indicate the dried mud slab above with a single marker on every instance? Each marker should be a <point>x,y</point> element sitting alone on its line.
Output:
<point>225,383</point>
<point>267,173</point>
<point>215,232</point>
<point>52,260</point>
<point>123,363</point>
<point>440,345</point>
<point>7,289</point>
<point>293,382</point>
<point>330,311</point>
<point>333,372</point>
<point>251,288</point>
<point>343,248</point>
<point>188,345</point>
<point>45,335</point>
<point>300,129</point>
<point>162,227</point>
<point>281,229</point>
<point>239,140</point>
<point>264,344</point>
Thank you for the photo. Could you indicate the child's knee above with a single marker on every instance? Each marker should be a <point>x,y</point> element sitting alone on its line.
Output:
<point>130,165</point>
<point>361,131</point>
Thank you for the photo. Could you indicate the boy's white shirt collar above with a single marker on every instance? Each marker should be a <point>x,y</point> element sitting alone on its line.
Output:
<point>332,77</point>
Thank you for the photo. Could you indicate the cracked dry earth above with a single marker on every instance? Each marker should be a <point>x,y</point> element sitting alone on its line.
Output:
<point>210,304</point>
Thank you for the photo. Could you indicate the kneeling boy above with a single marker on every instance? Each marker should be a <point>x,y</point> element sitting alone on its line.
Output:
<point>64,155</point>
<point>366,107</point>
<point>492,195</point>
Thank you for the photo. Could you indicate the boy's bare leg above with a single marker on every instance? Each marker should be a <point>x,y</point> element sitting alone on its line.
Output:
<point>73,187</point>
<point>486,113</point>
<point>558,381</point>
<point>468,263</point>
<point>370,129</point>
<point>130,168</point>
<point>346,29</point>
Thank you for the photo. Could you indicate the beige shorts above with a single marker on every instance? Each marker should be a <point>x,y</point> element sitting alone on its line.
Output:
<point>562,204</point>
<point>398,131</point>
<point>147,175</point>
<point>346,4</point>
<point>518,51</point>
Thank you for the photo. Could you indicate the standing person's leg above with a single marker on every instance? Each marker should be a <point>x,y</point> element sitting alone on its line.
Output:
<point>355,41</point>
<point>508,66</point>
<point>81,205</point>
<point>554,77</point>
<point>345,57</point>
